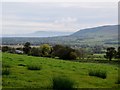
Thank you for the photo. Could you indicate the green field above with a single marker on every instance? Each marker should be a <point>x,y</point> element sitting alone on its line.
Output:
<point>20,76</point>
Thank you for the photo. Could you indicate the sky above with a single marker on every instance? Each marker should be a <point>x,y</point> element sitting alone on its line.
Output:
<point>27,17</point>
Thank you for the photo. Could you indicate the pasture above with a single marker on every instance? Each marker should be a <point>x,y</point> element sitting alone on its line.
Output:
<point>22,71</point>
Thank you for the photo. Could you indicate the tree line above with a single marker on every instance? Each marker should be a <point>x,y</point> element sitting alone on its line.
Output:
<point>61,51</point>
<point>45,50</point>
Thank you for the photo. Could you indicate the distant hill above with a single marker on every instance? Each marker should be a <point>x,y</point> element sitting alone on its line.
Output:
<point>103,35</point>
<point>98,35</point>
<point>50,33</point>
<point>39,34</point>
<point>102,31</point>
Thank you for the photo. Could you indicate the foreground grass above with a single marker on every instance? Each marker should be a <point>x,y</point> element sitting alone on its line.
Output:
<point>21,76</point>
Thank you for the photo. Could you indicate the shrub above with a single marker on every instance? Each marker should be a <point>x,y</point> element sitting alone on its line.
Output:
<point>98,73</point>
<point>34,67</point>
<point>62,83</point>
<point>5,71</point>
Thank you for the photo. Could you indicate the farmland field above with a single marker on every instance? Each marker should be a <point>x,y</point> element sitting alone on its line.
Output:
<point>19,76</point>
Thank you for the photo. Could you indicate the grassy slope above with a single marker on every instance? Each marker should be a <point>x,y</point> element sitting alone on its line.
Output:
<point>20,76</point>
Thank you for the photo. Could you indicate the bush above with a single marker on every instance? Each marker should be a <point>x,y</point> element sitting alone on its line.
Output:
<point>34,67</point>
<point>5,71</point>
<point>98,73</point>
<point>62,83</point>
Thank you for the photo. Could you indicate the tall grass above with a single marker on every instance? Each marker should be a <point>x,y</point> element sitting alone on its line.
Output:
<point>98,73</point>
<point>118,81</point>
<point>34,67</point>
<point>5,71</point>
<point>5,65</point>
<point>62,83</point>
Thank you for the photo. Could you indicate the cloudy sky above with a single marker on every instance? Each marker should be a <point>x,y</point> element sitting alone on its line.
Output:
<point>28,17</point>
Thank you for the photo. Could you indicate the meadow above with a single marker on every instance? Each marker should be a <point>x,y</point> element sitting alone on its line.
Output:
<point>22,71</point>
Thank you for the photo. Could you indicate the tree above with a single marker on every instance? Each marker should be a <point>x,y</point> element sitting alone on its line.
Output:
<point>5,48</point>
<point>64,52</point>
<point>118,53</point>
<point>27,48</point>
<point>12,50</point>
<point>73,55</point>
<point>56,50</point>
<point>111,52</point>
<point>35,51</point>
<point>81,53</point>
<point>45,49</point>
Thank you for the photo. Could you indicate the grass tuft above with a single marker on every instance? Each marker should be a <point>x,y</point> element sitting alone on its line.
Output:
<point>21,64</point>
<point>34,67</point>
<point>98,73</point>
<point>62,83</point>
<point>5,65</point>
<point>118,81</point>
<point>5,71</point>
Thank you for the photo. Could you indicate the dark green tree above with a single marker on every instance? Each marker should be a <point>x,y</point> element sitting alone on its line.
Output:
<point>5,48</point>
<point>35,51</point>
<point>73,55</point>
<point>111,52</point>
<point>27,48</point>
<point>118,53</point>
<point>56,50</point>
<point>64,52</point>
